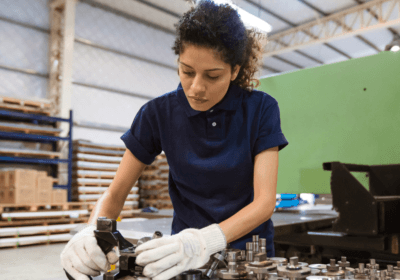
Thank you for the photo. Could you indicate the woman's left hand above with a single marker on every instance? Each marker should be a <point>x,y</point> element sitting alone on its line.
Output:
<point>166,257</point>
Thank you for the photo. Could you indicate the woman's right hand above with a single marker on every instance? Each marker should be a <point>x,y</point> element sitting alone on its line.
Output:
<point>82,256</point>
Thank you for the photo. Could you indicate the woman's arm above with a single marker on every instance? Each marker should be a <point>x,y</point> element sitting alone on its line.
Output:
<point>112,201</point>
<point>263,205</point>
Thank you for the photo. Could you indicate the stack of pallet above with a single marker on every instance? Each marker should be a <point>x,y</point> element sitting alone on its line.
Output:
<point>154,184</point>
<point>29,224</point>
<point>94,167</point>
<point>40,106</point>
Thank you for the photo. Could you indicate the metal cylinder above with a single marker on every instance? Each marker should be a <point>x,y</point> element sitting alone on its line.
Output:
<point>191,274</point>
<point>249,256</point>
<point>361,268</point>
<point>255,238</point>
<point>263,245</point>
<point>256,248</point>
<point>249,246</point>
<point>157,234</point>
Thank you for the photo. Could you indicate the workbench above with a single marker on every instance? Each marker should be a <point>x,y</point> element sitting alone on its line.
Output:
<point>294,219</point>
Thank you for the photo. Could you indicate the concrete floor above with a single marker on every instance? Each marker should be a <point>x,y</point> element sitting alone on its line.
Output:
<point>31,263</point>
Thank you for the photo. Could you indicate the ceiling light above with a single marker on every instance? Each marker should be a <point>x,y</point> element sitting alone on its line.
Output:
<point>394,46</point>
<point>249,20</point>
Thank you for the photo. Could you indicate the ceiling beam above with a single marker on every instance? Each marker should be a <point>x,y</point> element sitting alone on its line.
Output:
<point>295,25</point>
<point>361,38</point>
<point>327,28</point>
<point>393,31</point>
<point>288,62</point>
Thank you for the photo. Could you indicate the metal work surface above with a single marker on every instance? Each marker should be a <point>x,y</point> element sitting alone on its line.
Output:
<point>282,219</point>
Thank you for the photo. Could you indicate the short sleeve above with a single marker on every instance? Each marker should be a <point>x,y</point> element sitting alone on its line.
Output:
<point>270,132</point>
<point>142,139</point>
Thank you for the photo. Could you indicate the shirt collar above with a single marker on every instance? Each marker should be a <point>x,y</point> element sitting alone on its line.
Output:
<point>230,102</point>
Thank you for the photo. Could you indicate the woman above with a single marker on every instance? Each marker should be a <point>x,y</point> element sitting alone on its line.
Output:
<point>221,139</point>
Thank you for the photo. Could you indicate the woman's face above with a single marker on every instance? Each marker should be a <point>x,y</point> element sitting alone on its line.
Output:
<point>205,78</point>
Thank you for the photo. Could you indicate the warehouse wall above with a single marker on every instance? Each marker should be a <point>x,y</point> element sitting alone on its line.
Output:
<point>24,26</point>
<point>130,61</point>
<point>347,112</point>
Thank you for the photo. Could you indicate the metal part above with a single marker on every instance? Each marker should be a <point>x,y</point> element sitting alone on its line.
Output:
<point>333,270</point>
<point>294,270</point>
<point>361,272</point>
<point>279,261</point>
<point>263,245</point>
<point>319,266</point>
<point>321,277</point>
<point>249,251</point>
<point>343,263</point>
<point>256,244</point>
<point>232,272</point>
<point>191,274</point>
<point>218,258</point>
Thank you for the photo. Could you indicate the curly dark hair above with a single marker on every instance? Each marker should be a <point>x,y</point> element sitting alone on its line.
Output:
<point>220,28</point>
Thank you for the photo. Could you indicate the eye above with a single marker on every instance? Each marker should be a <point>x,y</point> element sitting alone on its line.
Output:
<point>213,78</point>
<point>189,73</point>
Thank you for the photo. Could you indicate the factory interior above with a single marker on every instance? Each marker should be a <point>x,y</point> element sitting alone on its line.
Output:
<point>84,82</point>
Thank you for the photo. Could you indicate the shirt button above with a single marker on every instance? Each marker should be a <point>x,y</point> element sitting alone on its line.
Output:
<point>211,111</point>
<point>214,124</point>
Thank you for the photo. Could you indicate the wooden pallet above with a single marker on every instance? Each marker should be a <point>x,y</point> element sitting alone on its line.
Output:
<point>14,216</point>
<point>34,240</point>
<point>88,144</point>
<point>96,190</point>
<point>38,104</point>
<point>43,222</point>
<point>29,129</point>
<point>99,152</point>
<point>95,166</point>
<point>29,153</point>
<point>4,208</point>
<point>96,158</point>
<point>93,174</point>
<point>42,107</point>
<point>16,232</point>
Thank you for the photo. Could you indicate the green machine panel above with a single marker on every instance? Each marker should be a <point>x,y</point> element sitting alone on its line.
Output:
<point>347,111</point>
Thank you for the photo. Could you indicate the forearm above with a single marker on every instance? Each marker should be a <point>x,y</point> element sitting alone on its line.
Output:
<point>246,219</point>
<point>107,206</point>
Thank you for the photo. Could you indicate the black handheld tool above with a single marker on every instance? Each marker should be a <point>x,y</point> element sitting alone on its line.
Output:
<point>108,237</point>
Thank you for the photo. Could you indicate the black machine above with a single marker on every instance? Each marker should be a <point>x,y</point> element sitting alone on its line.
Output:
<point>368,223</point>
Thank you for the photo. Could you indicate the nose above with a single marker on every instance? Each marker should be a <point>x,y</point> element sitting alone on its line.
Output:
<point>198,87</point>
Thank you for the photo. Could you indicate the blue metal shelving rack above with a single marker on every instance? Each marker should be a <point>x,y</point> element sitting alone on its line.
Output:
<point>40,138</point>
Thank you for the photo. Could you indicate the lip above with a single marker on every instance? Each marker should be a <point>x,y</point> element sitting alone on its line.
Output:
<point>198,100</point>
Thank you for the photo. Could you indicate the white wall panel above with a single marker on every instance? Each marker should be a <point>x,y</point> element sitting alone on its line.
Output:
<point>24,86</point>
<point>22,47</point>
<point>103,68</point>
<point>99,106</point>
<point>119,33</point>
<point>33,12</point>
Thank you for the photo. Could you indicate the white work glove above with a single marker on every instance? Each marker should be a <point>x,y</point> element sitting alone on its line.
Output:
<point>166,257</point>
<point>82,255</point>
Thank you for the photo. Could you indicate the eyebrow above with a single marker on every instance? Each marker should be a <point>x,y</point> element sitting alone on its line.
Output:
<point>205,70</point>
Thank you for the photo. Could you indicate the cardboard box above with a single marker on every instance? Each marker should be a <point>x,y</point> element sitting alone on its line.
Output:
<point>4,182</point>
<point>3,194</point>
<point>22,178</point>
<point>43,189</point>
<point>59,196</point>
<point>43,197</point>
<point>41,174</point>
<point>20,195</point>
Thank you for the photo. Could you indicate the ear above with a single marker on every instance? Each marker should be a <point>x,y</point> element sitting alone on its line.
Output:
<point>235,72</point>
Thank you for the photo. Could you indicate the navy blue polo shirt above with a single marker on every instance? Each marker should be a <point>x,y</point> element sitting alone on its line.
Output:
<point>210,154</point>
